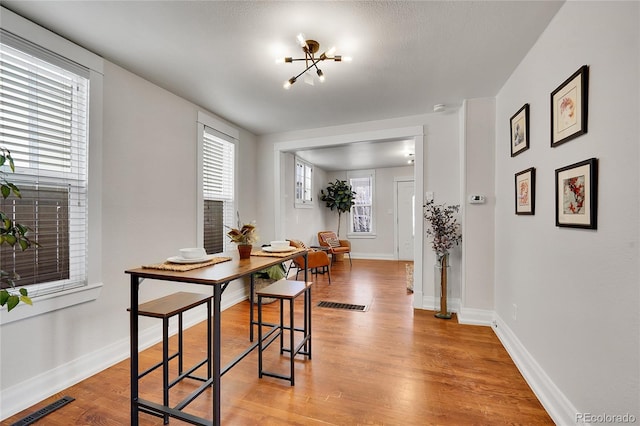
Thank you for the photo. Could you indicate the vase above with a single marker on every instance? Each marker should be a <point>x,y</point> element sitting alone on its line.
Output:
<point>244,250</point>
<point>441,290</point>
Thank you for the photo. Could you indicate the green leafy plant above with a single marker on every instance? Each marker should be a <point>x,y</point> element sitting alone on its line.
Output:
<point>274,273</point>
<point>338,196</point>
<point>11,233</point>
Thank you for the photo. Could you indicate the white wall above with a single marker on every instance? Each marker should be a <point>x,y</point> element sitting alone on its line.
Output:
<point>577,327</point>
<point>148,196</point>
<point>477,158</point>
<point>302,223</point>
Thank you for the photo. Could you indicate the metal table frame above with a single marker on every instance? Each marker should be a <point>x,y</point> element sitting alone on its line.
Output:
<point>218,276</point>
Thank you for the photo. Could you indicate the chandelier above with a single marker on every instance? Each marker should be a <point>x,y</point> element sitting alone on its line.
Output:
<point>310,48</point>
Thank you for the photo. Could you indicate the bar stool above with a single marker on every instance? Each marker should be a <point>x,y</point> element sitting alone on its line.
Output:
<point>285,290</point>
<point>165,308</point>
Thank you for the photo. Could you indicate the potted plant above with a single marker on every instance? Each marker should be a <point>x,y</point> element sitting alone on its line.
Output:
<point>444,233</point>
<point>11,233</point>
<point>338,196</point>
<point>244,236</point>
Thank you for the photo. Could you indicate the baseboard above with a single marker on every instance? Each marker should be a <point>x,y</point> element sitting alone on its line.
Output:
<point>475,316</point>
<point>373,256</point>
<point>25,394</point>
<point>430,303</point>
<point>552,399</point>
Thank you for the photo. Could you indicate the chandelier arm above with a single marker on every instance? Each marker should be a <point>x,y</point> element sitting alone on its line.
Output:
<point>307,69</point>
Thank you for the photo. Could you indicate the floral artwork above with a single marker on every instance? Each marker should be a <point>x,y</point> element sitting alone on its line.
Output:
<point>569,107</point>
<point>523,195</point>
<point>573,195</point>
<point>525,191</point>
<point>577,195</point>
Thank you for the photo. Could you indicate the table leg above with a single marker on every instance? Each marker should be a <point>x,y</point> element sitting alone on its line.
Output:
<point>251,290</point>
<point>133,333</point>
<point>217,297</point>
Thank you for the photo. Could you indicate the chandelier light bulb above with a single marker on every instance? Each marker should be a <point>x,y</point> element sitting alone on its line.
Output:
<point>280,60</point>
<point>320,75</point>
<point>287,84</point>
<point>347,58</point>
<point>301,40</point>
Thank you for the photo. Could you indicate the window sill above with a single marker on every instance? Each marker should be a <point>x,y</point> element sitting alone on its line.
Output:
<point>304,205</point>
<point>361,236</point>
<point>51,302</point>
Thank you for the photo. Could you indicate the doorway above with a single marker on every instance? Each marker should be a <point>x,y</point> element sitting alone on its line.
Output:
<point>405,219</point>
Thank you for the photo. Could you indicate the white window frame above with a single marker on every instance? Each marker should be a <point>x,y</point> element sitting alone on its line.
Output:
<point>48,298</point>
<point>229,134</point>
<point>303,184</point>
<point>371,174</point>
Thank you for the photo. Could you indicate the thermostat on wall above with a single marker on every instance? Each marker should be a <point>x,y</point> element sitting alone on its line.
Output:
<point>477,199</point>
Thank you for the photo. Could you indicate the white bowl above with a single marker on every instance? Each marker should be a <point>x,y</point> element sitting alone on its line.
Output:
<point>192,253</point>
<point>279,245</point>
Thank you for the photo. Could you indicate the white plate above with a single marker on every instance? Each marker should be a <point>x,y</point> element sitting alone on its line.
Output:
<point>270,249</point>
<point>180,259</point>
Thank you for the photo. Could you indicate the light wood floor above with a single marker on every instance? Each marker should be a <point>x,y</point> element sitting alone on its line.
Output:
<point>390,365</point>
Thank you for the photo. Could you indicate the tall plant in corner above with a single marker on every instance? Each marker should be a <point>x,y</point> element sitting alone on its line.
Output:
<point>11,233</point>
<point>338,196</point>
<point>444,233</point>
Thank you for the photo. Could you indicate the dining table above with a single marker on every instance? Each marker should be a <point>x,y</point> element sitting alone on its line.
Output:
<point>218,276</point>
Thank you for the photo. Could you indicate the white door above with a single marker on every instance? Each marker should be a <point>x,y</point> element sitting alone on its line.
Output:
<point>405,217</point>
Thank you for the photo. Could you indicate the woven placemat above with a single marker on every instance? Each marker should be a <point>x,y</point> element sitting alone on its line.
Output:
<point>274,254</point>
<point>183,267</point>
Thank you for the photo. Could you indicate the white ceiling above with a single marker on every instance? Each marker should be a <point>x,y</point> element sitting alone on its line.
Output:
<point>407,55</point>
<point>361,155</point>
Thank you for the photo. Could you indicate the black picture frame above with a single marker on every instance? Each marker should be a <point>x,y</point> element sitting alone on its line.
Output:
<point>519,125</point>
<point>525,192</point>
<point>570,108</point>
<point>577,195</point>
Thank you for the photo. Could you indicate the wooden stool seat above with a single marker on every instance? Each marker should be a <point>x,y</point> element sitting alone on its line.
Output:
<point>285,290</point>
<point>165,308</point>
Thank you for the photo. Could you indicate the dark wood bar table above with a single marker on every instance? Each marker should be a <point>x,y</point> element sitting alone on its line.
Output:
<point>217,276</point>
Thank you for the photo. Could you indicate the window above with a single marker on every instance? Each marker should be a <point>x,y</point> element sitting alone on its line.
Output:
<point>361,215</point>
<point>218,159</point>
<point>43,117</point>
<point>304,183</point>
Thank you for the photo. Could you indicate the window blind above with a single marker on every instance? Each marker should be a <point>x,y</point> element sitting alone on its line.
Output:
<point>218,188</point>
<point>43,122</point>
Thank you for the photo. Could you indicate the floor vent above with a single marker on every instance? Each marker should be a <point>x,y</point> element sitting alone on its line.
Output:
<point>33,417</point>
<point>346,306</point>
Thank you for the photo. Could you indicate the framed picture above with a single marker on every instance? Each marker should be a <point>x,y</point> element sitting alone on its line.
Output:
<point>520,131</point>
<point>577,195</point>
<point>525,192</point>
<point>569,107</point>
